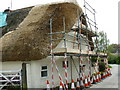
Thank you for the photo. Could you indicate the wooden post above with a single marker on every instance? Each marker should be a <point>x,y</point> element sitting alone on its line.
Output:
<point>24,77</point>
<point>71,66</point>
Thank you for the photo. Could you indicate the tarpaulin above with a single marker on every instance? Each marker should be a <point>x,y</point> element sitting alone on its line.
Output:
<point>3,17</point>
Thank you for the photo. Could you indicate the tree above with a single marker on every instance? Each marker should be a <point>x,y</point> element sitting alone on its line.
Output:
<point>113,53</point>
<point>101,42</point>
<point>113,48</point>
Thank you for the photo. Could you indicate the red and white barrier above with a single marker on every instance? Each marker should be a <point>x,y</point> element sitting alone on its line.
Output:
<point>66,74</point>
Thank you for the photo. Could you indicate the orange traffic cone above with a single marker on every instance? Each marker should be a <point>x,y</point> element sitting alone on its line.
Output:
<point>86,82</point>
<point>110,72</point>
<point>94,79</point>
<point>81,83</point>
<point>48,85</point>
<point>91,79</point>
<point>89,82</point>
<point>103,75</point>
<point>107,74</point>
<point>97,78</point>
<point>78,84</point>
<point>61,85</point>
<point>72,85</point>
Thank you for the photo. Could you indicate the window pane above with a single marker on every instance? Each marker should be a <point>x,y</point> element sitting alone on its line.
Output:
<point>43,73</point>
<point>44,67</point>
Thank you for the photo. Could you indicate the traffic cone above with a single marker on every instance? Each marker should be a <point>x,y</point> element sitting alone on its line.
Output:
<point>61,85</point>
<point>81,83</point>
<point>103,75</point>
<point>107,73</point>
<point>110,71</point>
<point>78,84</point>
<point>72,85</point>
<point>48,85</point>
<point>86,82</point>
<point>91,79</point>
<point>89,82</point>
<point>94,79</point>
<point>97,78</point>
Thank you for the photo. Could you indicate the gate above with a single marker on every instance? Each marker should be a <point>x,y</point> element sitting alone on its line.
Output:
<point>10,79</point>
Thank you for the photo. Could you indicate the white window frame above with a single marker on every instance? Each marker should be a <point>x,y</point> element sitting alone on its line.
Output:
<point>43,71</point>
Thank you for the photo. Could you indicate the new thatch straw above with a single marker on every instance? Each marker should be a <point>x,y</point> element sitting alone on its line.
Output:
<point>30,41</point>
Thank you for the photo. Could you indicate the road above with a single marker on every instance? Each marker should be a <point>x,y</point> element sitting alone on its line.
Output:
<point>110,82</point>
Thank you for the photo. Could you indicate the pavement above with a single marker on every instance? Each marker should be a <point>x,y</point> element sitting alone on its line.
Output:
<point>111,82</point>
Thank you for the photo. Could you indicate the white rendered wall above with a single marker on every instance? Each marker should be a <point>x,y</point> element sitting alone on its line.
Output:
<point>11,65</point>
<point>34,71</point>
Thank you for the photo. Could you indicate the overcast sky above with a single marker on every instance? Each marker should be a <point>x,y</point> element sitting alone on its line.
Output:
<point>106,16</point>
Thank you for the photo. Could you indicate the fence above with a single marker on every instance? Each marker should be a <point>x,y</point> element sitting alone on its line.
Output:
<point>10,79</point>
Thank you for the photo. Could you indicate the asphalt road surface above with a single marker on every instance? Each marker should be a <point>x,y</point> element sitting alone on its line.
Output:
<point>110,82</point>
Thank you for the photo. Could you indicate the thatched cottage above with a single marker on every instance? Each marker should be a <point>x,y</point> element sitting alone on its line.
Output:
<point>26,39</point>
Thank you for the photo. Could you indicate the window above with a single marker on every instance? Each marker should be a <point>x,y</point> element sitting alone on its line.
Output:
<point>44,72</point>
<point>64,64</point>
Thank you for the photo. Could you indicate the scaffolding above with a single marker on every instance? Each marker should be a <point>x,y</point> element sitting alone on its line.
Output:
<point>85,26</point>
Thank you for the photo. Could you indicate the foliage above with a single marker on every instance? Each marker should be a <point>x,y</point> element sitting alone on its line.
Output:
<point>118,60</point>
<point>101,66</point>
<point>113,59</point>
<point>93,59</point>
<point>109,66</point>
<point>113,48</point>
<point>113,54</point>
<point>102,42</point>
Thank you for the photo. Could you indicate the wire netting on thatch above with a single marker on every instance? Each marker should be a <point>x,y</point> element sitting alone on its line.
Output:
<point>30,40</point>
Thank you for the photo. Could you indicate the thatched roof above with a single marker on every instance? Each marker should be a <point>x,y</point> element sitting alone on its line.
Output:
<point>30,39</point>
<point>14,18</point>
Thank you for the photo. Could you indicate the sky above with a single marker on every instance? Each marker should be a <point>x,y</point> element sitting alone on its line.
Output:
<point>106,13</point>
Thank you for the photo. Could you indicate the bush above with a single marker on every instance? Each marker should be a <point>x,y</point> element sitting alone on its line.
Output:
<point>113,59</point>
<point>118,60</point>
<point>93,59</point>
<point>101,66</point>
